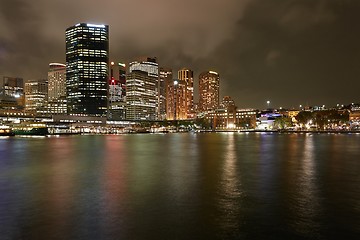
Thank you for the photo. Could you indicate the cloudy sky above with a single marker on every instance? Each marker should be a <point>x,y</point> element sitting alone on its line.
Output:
<point>290,52</point>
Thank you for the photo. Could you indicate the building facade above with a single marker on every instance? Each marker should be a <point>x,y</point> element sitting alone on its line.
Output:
<point>57,88</point>
<point>117,91</point>
<point>87,56</point>
<point>36,96</point>
<point>187,76</point>
<point>142,92</point>
<point>13,88</point>
<point>165,77</point>
<point>176,100</point>
<point>209,87</point>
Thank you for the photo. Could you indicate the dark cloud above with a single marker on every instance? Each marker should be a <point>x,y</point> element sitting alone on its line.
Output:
<point>288,51</point>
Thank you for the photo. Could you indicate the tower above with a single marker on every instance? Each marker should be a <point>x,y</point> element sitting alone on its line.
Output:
<point>57,88</point>
<point>209,86</point>
<point>187,76</point>
<point>87,56</point>
<point>165,78</point>
<point>141,86</point>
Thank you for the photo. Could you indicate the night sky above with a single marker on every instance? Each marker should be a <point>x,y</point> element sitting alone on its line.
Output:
<point>290,52</point>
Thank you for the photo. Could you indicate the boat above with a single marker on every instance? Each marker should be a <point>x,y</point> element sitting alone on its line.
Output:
<point>32,131</point>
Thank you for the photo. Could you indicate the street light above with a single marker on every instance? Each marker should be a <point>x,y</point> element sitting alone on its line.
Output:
<point>268,103</point>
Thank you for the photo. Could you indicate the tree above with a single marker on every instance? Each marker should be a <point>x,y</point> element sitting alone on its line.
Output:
<point>282,123</point>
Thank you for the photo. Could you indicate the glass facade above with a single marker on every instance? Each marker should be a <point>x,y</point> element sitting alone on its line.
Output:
<point>142,90</point>
<point>87,56</point>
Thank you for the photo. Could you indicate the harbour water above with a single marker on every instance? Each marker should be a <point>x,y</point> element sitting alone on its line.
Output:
<point>181,186</point>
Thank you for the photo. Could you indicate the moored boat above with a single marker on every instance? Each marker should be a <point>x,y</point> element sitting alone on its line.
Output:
<point>32,131</point>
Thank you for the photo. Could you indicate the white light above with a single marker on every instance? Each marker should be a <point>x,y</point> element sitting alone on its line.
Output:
<point>212,72</point>
<point>95,25</point>
<point>176,82</point>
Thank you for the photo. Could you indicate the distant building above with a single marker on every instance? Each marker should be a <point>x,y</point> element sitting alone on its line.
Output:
<point>240,119</point>
<point>187,76</point>
<point>141,85</point>
<point>176,100</point>
<point>117,91</point>
<point>36,95</point>
<point>57,88</point>
<point>87,56</point>
<point>209,87</point>
<point>13,87</point>
<point>165,77</point>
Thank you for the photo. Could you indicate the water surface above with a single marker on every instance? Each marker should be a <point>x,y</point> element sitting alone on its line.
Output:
<point>181,186</point>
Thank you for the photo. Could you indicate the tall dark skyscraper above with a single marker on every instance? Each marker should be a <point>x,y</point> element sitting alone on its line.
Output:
<point>87,57</point>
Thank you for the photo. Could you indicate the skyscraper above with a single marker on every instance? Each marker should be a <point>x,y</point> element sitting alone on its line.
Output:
<point>117,91</point>
<point>57,88</point>
<point>87,47</point>
<point>13,88</point>
<point>188,76</point>
<point>165,77</point>
<point>36,95</point>
<point>141,89</point>
<point>176,100</point>
<point>57,81</point>
<point>209,86</point>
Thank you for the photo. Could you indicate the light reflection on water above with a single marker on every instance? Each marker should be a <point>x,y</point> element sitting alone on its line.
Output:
<point>180,186</point>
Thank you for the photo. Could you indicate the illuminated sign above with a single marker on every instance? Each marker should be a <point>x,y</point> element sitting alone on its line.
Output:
<point>95,25</point>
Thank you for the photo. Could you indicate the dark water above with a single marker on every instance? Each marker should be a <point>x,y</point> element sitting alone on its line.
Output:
<point>181,186</point>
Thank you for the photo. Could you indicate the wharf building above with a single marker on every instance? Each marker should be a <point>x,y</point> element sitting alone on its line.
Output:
<point>141,89</point>
<point>57,88</point>
<point>187,76</point>
<point>228,117</point>
<point>176,100</point>
<point>117,91</point>
<point>165,78</point>
<point>87,56</point>
<point>209,87</point>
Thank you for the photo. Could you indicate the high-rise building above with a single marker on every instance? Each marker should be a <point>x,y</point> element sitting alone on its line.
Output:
<point>13,88</point>
<point>36,95</point>
<point>141,89</point>
<point>57,88</point>
<point>87,56</point>
<point>57,81</point>
<point>165,77</point>
<point>209,86</point>
<point>117,91</point>
<point>188,76</point>
<point>176,100</point>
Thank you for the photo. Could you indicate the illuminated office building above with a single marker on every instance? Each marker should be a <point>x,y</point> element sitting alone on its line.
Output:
<point>165,77</point>
<point>57,88</point>
<point>117,91</point>
<point>176,100</point>
<point>141,89</point>
<point>188,76</point>
<point>87,47</point>
<point>13,88</point>
<point>209,86</point>
<point>36,95</point>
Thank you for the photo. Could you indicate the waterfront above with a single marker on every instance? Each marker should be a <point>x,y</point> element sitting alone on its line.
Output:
<point>181,186</point>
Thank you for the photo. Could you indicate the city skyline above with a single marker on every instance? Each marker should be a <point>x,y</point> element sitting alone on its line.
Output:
<point>291,53</point>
